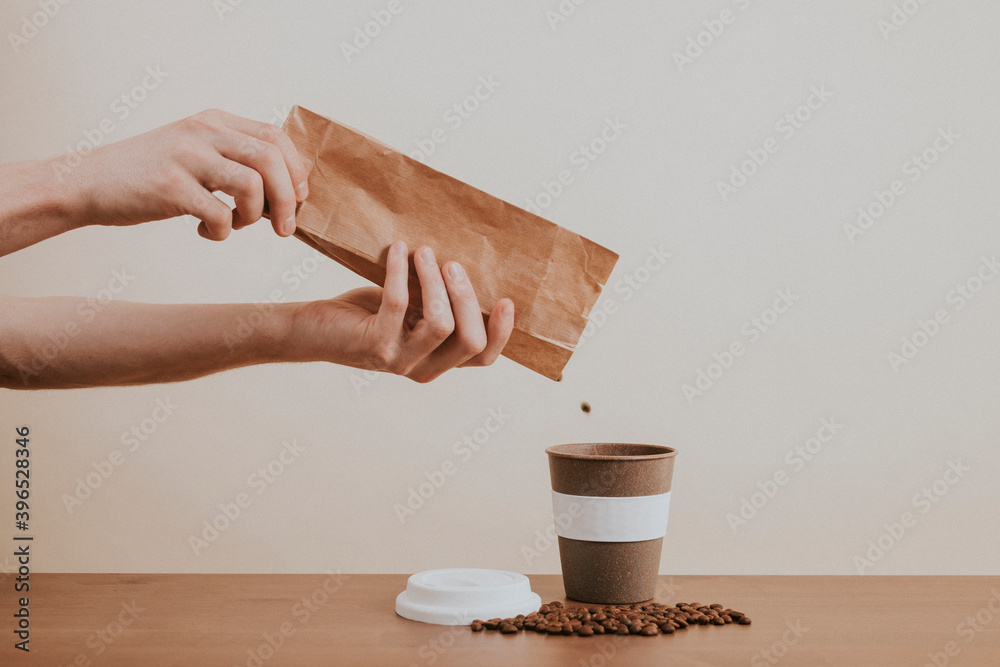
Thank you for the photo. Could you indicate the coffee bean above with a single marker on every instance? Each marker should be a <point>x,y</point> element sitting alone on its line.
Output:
<point>645,619</point>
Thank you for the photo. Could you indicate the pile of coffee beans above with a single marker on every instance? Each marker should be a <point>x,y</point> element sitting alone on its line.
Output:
<point>647,619</point>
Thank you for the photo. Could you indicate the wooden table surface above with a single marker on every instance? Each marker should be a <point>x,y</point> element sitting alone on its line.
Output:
<point>258,620</point>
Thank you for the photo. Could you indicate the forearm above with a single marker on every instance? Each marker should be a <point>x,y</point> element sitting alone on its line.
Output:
<point>57,343</point>
<point>34,205</point>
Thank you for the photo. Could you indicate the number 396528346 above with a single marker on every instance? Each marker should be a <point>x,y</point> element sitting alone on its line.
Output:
<point>22,475</point>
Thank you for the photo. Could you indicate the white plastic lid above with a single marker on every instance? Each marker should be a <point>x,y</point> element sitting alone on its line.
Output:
<point>460,596</point>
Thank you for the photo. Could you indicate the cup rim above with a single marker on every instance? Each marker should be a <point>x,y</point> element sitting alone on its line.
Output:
<point>567,452</point>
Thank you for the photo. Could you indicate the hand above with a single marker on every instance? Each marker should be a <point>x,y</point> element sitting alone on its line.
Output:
<point>173,170</point>
<point>371,327</point>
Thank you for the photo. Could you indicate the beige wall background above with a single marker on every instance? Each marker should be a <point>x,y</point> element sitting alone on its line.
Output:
<point>813,451</point>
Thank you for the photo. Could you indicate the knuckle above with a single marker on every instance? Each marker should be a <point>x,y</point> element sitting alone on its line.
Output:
<point>473,345</point>
<point>271,155</point>
<point>394,303</point>
<point>209,118</point>
<point>403,368</point>
<point>384,355</point>
<point>250,180</point>
<point>186,151</point>
<point>270,133</point>
<point>441,328</point>
<point>172,181</point>
<point>439,308</point>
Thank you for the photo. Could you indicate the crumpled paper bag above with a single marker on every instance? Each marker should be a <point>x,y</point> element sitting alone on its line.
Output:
<point>363,195</point>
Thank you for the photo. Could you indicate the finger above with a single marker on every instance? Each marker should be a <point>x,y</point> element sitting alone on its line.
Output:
<point>498,331</point>
<point>269,163</point>
<point>469,337</point>
<point>395,296</point>
<point>216,218</point>
<point>276,136</point>
<point>243,183</point>
<point>438,322</point>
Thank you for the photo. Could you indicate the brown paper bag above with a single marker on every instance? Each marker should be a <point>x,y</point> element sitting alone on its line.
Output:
<point>363,195</point>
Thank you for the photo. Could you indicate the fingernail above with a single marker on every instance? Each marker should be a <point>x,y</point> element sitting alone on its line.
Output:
<point>302,190</point>
<point>427,254</point>
<point>456,271</point>
<point>507,310</point>
<point>289,225</point>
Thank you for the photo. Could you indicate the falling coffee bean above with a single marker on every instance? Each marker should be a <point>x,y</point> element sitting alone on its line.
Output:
<point>585,406</point>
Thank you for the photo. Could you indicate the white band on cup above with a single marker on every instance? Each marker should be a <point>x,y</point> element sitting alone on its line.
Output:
<point>611,519</point>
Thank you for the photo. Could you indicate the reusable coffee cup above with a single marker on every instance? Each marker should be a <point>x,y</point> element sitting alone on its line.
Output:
<point>610,503</point>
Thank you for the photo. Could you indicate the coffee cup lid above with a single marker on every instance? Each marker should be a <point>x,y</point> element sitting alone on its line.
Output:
<point>459,596</point>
